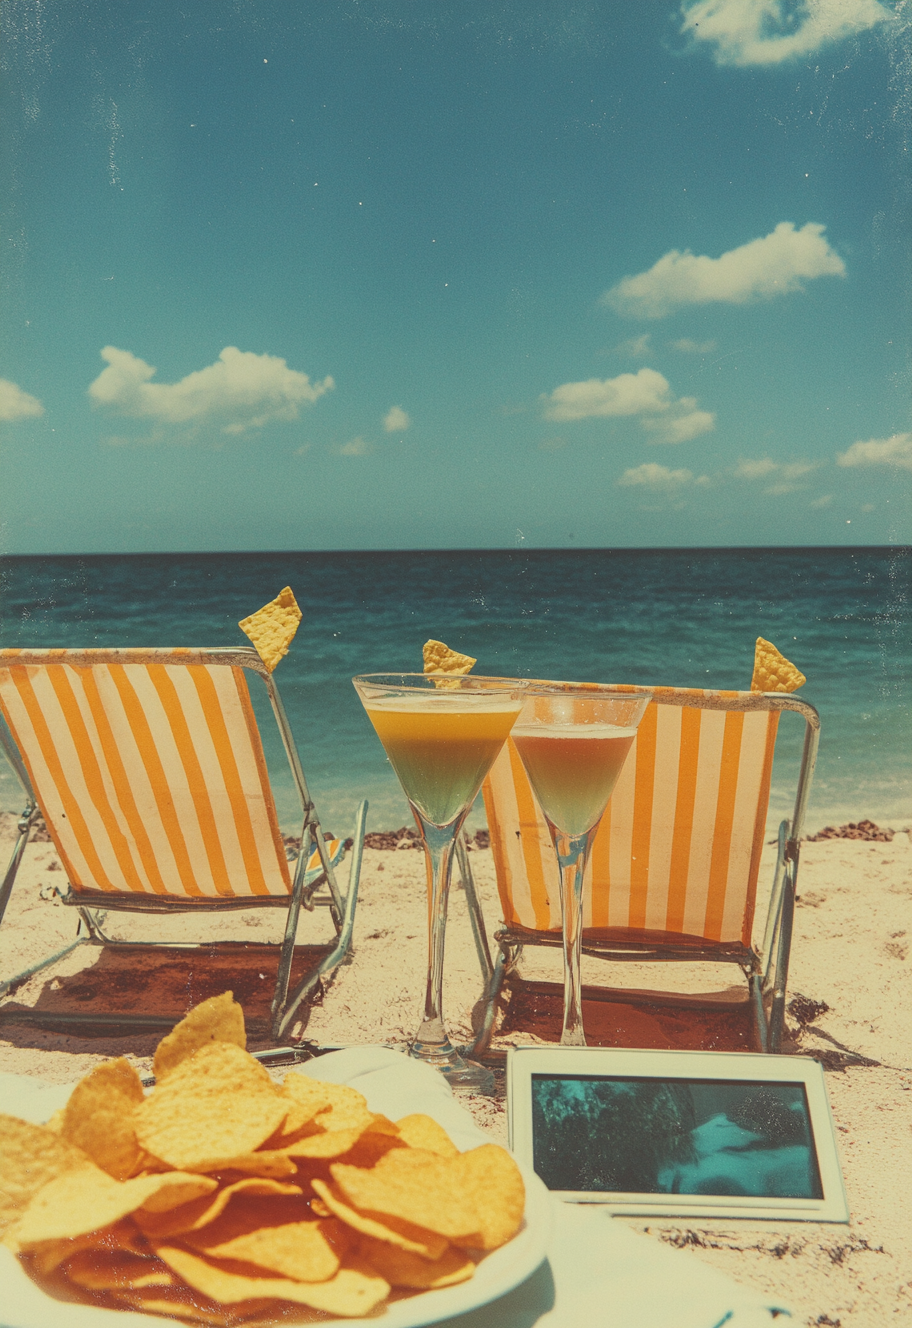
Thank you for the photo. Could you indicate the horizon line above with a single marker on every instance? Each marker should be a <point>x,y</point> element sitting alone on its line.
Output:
<point>477,549</point>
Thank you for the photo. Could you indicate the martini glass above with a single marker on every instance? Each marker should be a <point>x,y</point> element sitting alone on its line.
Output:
<point>441,734</point>
<point>573,741</point>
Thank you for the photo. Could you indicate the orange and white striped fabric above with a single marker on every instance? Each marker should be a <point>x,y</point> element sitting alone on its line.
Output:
<point>150,776</point>
<point>677,854</point>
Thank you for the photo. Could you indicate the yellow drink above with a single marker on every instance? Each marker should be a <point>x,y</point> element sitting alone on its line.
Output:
<point>442,746</point>
<point>573,769</point>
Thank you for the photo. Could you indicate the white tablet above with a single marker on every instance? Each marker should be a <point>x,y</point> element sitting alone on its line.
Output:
<point>678,1133</point>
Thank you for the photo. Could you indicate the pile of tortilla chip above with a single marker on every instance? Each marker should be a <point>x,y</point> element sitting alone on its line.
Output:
<point>223,1197</point>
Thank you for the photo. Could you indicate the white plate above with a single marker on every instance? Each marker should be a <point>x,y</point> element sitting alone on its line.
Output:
<point>25,1305</point>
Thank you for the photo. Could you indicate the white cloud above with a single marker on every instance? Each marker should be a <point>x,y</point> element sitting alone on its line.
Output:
<point>16,404</point>
<point>766,32</point>
<point>636,346</point>
<point>396,420</point>
<point>785,475</point>
<point>683,423</point>
<point>755,470</point>
<point>689,347</point>
<point>895,451</point>
<point>774,264</point>
<point>646,394</point>
<point>240,391</point>
<point>652,476</point>
<point>355,447</point>
<point>824,500</point>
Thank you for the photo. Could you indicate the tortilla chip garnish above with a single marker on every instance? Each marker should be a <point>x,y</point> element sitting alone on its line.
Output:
<point>220,1019</point>
<point>30,1156</point>
<point>413,1185</point>
<point>409,1270</point>
<point>99,1117</point>
<point>217,1105</point>
<point>272,628</point>
<point>492,1184</point>
<point>772,671</point>
<point>405,1235</point>
<point>353,1291</point>
<point>439,658</point>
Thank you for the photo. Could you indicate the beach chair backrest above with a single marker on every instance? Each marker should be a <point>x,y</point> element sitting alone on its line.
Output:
<point>678,849</point>
<point>150,774</point>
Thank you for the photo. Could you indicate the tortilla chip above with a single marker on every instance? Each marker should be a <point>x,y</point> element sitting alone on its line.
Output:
<point>409,1270</point>
<point>122,1236</point>
<point>220,1019</point>
<point>439,658</point>
<point>87,1199</point>
<point>276,1236</point>
<point>217,1105</point>
<point>99,1117</point>
<point>272,628</point>
<point>99,1270</point>
<point>420,1131</point>
<point>413,1185</point>
<point>772,671</point>
<point>199,1213</point>
<point>405,1235</point>
<point>492,1184</point>
<point>181,1302</point>
<point>353,1291</point>
<point>30,1156</point>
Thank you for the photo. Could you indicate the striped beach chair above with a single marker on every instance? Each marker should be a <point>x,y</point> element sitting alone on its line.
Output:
<point>149,771</point>
<point>674,866</point>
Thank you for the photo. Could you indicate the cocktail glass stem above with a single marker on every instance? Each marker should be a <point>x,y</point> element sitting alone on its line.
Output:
<point>431,1040</point>
<point>572,856</point>
<point>432,1043</point>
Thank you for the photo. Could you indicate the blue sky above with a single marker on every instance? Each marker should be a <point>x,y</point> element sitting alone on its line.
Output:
<point>405,274</point>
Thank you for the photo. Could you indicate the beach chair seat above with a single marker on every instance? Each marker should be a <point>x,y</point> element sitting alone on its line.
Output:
<point>674,866</point>
<point>148,768</point>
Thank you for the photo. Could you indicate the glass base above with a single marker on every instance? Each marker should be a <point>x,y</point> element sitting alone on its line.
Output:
<point>458,1072</point>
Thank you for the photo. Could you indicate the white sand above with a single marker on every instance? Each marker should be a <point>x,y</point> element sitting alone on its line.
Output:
<point>852,951</point>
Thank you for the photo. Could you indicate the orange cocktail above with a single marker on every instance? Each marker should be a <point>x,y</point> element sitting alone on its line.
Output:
<point>441,734</point>
<point>442,750</point>
<point>573,740</point>
<point>573,771</point>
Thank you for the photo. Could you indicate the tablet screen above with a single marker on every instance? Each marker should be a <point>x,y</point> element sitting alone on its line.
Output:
<point>649,1135</point>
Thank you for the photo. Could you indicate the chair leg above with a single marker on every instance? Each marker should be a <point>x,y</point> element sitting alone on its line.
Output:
<point>42,963</point>
<point>285,1006</point>
<point>9,878</point>
<point>758,1013</point>
<point>783,953</point>
<point>476,917</point>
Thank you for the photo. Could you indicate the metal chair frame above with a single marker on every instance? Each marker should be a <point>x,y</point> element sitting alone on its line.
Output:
<point>766,968</point>
<point>92,905</point>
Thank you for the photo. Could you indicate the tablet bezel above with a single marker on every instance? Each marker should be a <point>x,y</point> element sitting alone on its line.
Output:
<point>620,1062</point>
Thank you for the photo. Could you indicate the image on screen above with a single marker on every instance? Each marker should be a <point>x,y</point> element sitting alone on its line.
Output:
<point>674,1136</point>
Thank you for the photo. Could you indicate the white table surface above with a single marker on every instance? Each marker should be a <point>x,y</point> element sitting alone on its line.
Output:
<point>597,1271</point>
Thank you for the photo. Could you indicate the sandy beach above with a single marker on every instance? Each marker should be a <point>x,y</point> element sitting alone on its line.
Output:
<point>849,989</point>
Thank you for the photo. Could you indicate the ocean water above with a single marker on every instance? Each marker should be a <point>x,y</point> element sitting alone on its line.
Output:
<point>676,617</point>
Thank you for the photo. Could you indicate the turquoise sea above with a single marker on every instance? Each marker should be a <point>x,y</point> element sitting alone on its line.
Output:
<point>683,617</point>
